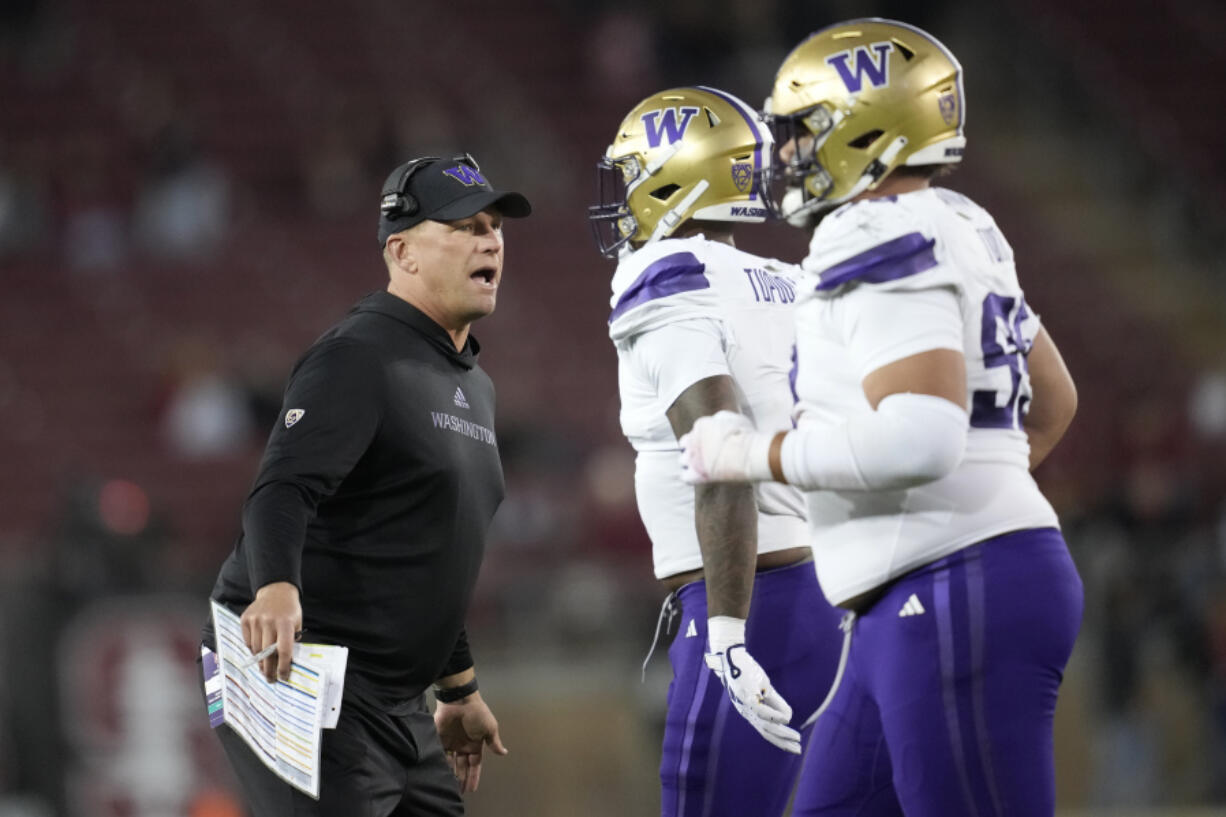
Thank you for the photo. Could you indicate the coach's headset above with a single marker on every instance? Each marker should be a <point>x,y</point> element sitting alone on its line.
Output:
<point>398,201</point>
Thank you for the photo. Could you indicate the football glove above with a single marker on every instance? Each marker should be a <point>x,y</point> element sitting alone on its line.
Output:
<point>724,447</point>
<point>748,686</point>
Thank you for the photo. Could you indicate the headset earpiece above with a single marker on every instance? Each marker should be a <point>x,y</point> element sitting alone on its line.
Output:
<point>395,205</point>
<point>397,200</point>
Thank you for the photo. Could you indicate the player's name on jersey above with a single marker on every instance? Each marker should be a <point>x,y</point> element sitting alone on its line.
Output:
<point>770,288</point>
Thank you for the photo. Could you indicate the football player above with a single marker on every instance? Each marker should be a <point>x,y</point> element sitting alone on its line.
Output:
<point>928,389</point>
<point>701,327</point>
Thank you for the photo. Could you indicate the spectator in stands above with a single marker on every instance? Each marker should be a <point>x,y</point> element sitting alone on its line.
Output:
<point>184,207</point>
<point>206,412</point>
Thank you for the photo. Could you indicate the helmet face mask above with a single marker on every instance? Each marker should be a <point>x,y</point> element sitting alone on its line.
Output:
<point>800,173</point>
<point>855,101</point>
<point>612,223</point>
<point>683,154</point>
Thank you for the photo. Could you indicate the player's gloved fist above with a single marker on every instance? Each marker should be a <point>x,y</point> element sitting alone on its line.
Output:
<point>748,686</point>
<point>725,448</point>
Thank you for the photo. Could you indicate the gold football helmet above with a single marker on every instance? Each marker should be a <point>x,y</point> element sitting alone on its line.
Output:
<point>856,100</point>
<point>684,153</point>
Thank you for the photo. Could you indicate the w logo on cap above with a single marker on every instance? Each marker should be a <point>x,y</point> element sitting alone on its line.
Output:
<point>465,175</point>
<point>670,123</point>
<point>876,69</point>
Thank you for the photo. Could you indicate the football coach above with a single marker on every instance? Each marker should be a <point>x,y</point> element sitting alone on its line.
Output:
<point>367,520</point>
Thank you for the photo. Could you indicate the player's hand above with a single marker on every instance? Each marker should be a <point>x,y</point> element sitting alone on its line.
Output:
<point>724,447</point>
<point>748,686</point>
<point>465,728</point>
<point>274,617</point>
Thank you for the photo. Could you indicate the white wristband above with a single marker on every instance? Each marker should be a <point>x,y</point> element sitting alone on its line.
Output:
<point>725,631</point>
<point>757,457</point>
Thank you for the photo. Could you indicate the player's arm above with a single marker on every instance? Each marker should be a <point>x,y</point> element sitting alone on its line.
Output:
<point>915,433</point>
<point>688,359</point>
<point>725,514</point>
<point>726,518</point>
<point>1054,400</point>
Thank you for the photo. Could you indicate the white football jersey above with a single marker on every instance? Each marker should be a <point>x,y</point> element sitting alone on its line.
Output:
<point>686,309</point>
<point>889,278</point>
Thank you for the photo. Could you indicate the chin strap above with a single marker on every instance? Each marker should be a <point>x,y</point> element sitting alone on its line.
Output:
<point>663,158</point>
<point>669,221</point>
<point>877,168</point>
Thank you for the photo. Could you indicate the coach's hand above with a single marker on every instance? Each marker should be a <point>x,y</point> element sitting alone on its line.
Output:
<point>274,617</point>
<point>465,727</point>
<point>747,683</point>
<point>724,447</point>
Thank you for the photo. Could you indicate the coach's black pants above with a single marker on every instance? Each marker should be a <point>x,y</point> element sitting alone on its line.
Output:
<point>373,764</point>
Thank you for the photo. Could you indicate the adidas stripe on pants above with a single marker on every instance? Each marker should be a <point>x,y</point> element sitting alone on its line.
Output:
<point>949,711</point>
<point>713,763</point>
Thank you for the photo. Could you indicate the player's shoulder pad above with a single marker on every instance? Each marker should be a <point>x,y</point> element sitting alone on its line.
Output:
<point>662,282</point>
<point>884,243</point>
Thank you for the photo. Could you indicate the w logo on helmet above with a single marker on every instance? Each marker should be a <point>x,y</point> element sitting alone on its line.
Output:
<point>876,69</point>
<point>669,122</point>
<point>465,175</point>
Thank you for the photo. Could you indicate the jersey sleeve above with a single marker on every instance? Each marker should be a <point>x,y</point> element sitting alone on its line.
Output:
<point>675,356</point>
<point>882,327</point>
<point>650,291</point>
<point>331,412</point>
<point>879,244</point>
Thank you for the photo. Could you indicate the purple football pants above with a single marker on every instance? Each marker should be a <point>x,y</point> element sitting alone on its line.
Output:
<point>714,763</point>
<point>945,706</point>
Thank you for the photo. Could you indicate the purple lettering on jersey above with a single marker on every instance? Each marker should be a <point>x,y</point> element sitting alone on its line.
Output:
<point>907,255</point>
<point>679,272</point>
<point>1004,344</point>
<point>770,288</point>
<point>750,273</point>
<point>793,371</point>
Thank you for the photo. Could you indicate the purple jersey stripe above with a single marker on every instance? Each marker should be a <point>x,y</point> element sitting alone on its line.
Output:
<point>907,255</point>
<point>679,272</point>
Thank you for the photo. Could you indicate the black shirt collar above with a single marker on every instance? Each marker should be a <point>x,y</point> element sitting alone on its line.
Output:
<point>385,303</point>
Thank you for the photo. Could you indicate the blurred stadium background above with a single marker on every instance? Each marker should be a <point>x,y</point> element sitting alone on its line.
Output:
<point>188,197</point>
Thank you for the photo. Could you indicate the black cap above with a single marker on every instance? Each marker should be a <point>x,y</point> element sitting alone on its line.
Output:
<point>442,190</point>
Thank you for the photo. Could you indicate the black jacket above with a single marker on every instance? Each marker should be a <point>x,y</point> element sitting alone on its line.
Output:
<point>374,496</point>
